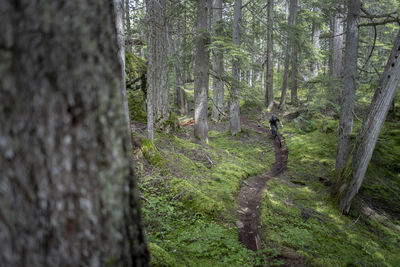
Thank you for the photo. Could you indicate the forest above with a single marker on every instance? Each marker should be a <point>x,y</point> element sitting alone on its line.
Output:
<point>199,133</point>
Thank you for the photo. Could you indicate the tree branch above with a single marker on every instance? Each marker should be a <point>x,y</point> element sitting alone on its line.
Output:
<point>383,22</point>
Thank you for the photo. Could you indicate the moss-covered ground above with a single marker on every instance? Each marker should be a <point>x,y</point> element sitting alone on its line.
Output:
<point>189,192</point>
<point>298,214</point>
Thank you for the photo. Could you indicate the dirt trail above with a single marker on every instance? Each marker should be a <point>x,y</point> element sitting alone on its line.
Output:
<point>249,198</point>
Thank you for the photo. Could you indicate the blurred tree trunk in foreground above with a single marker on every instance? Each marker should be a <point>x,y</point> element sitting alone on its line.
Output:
<point>68,192</point>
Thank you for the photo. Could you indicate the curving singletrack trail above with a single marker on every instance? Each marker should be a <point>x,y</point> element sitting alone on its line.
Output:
<point>249,198</point>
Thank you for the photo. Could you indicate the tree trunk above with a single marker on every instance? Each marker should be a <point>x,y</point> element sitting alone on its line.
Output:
<point>253,51</point>
<point>184,43</point>
<point>269,85</point>
<point>157,65</point>
<point>289,45</point>
<point>316,32</point>
<point>293,84</point>
<point>335,62</point>
<point>119,25</point>
<point>371,128</point>
<point>128,25</point>
<point>179,94</point>
<point>218,65</point>
<point>234,110</point>
<point>349,85</point>
<point>68,191</point>
<point>201,80</point>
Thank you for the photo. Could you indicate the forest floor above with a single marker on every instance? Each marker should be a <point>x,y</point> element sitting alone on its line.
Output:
<point>250,194</point>
<point>194,195</point>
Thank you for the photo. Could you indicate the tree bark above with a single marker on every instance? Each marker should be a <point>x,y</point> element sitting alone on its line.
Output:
<point>289,46</point>
<point>349,85</point>
<point>294,74</point>
<point>68,191</point>
<point>335,59</point>
<point>253,51</point>
<point>128,24</point>
<point>119,26</point>
<point>269,85</point>
<point>157,65</point>
<point>234,109</point>
<point>218,65</point>
<point>371,128</point>
<point>179,94</point>
<point>201,79</point>
<point>316,32</point>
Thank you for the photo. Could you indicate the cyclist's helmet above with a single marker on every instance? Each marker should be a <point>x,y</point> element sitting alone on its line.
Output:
<point>274,117</point>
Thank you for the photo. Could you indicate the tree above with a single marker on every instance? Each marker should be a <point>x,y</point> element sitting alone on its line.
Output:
<point>294,56</point>
<point>349,85</point>
<point>128,24</point>
<point>158,109</point>
<point>234,110</point>
<point>180,100</point>
<point>269,85</point>
<point>370,129</point>
<point>119,27</point>
<point>335,59</point>
<point>316,32</point>
<point>218,64</point>
<point>68,191</point>
<point>201,80</point>
<point>289,46</point>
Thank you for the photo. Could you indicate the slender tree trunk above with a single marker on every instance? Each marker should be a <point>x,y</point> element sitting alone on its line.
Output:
<point>335,62</point>
<point>294,74</point>
<point>119,25</point>
<point>68,191</point>
<point>179,94</point>
<point>316,32</point>
<point>371,128</point>
<point>201,79</point>
<point>289,46</point>
<point>253,37</point>
<point>349,85</point>
<point>269,85</point>
<point>218,65</point>
<point>184,43</point>
<point>128,25</point>
<point>234,110</point>
<point>158,109</point>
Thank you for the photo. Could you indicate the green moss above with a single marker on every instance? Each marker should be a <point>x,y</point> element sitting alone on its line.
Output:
<point>194,198</point>
<point>189,209</point>
<point>159,257</point>
<point>151,153</point>
<point>304,218</point>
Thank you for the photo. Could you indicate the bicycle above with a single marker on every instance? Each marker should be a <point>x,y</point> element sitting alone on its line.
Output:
<point>275,133</point>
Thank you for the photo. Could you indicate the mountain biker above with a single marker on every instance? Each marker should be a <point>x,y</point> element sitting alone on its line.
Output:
<point>273,123</point>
